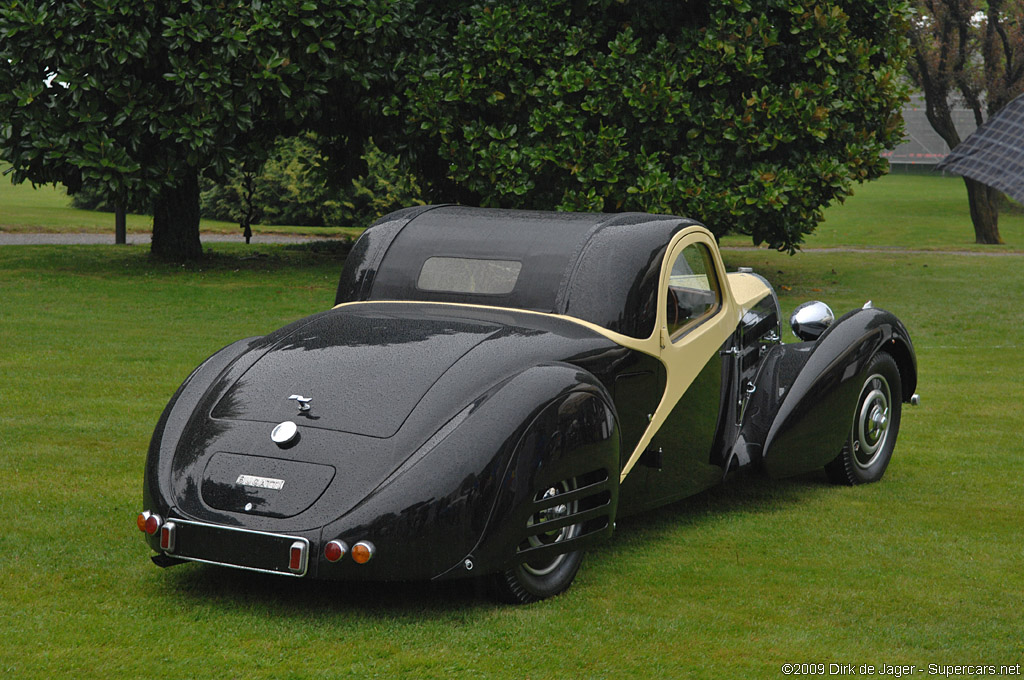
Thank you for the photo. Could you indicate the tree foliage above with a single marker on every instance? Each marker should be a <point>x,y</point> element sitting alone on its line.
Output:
<point>141,96</point>
<point>972,51</point>
<point>751,115</point>
<point>292,188</point>
<point>295,186</point>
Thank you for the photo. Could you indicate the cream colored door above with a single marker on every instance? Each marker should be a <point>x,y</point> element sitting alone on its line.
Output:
<point>696,315</point>
<point>695,326</point>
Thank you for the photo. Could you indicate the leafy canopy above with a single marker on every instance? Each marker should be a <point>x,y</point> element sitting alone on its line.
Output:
<point>291,189</point>
<point>750,115</point>
<point>129,94</point>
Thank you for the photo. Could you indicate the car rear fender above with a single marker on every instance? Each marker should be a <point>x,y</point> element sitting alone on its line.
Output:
<point>436,515</point>
<point>175,418</point>
<point>571,444</point>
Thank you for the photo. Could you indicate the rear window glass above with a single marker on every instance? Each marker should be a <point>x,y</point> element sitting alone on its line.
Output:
<point>466,275</point>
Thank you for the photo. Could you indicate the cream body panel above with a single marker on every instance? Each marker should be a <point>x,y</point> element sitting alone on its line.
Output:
<point>747,289</point>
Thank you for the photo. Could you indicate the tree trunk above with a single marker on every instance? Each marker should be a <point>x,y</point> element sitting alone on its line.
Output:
<point>984,202</point>
<point>176,220</point>
<point>120,224</point>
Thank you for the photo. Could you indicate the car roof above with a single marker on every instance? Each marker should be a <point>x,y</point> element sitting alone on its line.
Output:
<point>599,267</point>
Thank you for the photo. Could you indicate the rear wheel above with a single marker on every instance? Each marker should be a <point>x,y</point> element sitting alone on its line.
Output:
<point>876,423</point>
<point>539,579</point>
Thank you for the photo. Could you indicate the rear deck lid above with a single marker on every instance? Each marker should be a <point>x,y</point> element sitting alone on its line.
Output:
<point>362,370</point>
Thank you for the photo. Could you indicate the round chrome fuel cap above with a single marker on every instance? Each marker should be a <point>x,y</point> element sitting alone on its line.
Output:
<point>285,432</point>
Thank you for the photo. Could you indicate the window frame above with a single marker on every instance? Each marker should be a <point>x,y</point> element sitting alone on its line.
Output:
<point>710,274</point>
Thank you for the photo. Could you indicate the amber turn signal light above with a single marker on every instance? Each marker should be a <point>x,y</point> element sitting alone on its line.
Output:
<point>363,552</point>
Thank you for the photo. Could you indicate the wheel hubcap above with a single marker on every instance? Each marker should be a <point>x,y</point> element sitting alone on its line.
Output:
<point>871,429</point>
<point>555,535</point>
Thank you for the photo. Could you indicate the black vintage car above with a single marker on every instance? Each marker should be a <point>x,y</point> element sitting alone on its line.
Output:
<point>494,388</point>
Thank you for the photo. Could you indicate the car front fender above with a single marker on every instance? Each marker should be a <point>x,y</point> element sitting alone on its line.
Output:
<point>819,384</point>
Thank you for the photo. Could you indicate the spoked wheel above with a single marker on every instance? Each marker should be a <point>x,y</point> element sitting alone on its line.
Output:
<point>547,577</point>
<point>876,423</point>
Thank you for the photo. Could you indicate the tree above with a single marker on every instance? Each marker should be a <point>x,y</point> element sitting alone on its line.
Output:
<point>751,115</point>
<point>972,50</point>
<point>142,96</point>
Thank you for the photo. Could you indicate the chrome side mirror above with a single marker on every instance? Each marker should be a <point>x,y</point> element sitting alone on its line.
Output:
<point>810,320</point>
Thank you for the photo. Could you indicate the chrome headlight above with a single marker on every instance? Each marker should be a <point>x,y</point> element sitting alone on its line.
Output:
<point>810,320</point>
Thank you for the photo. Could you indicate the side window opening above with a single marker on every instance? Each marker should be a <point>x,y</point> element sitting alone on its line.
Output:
<point>693,291</point>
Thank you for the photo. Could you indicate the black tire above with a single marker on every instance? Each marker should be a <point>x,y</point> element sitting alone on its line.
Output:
<point>537,580</point>
<point>876,424</point>
<point>518,586</point>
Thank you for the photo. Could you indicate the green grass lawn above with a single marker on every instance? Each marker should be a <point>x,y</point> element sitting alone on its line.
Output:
<point>926,212</point>
<point>924,567</point>
<point>28,209</point>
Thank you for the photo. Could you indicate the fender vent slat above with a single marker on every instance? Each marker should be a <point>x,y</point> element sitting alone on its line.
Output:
<point>567,520</point>
<point>566,511</point>
<point>581,492</point>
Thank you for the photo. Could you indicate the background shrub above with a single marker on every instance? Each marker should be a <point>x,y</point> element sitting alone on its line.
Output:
<point>292,188</point>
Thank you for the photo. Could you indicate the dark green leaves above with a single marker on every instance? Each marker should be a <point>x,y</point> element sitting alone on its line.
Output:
<point>748,115</point>
<point>142,90</point>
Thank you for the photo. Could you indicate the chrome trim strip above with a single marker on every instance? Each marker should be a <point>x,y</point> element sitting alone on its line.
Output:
<point>305,565</point>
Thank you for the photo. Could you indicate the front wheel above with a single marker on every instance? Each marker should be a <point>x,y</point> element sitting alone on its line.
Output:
<point>539,579</point>
<point>876,423</point>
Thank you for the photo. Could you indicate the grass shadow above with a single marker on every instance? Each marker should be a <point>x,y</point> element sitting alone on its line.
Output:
<point>746,492</point>
<point>285,596</point>
<point>234,257</point>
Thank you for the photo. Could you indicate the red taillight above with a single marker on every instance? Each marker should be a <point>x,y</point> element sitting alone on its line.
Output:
<point>140,521</point>
<point>167,537</point>
<point>297,557</point>
<point>363,552</point>
<point>153,523</point>
<point>335,550</point>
